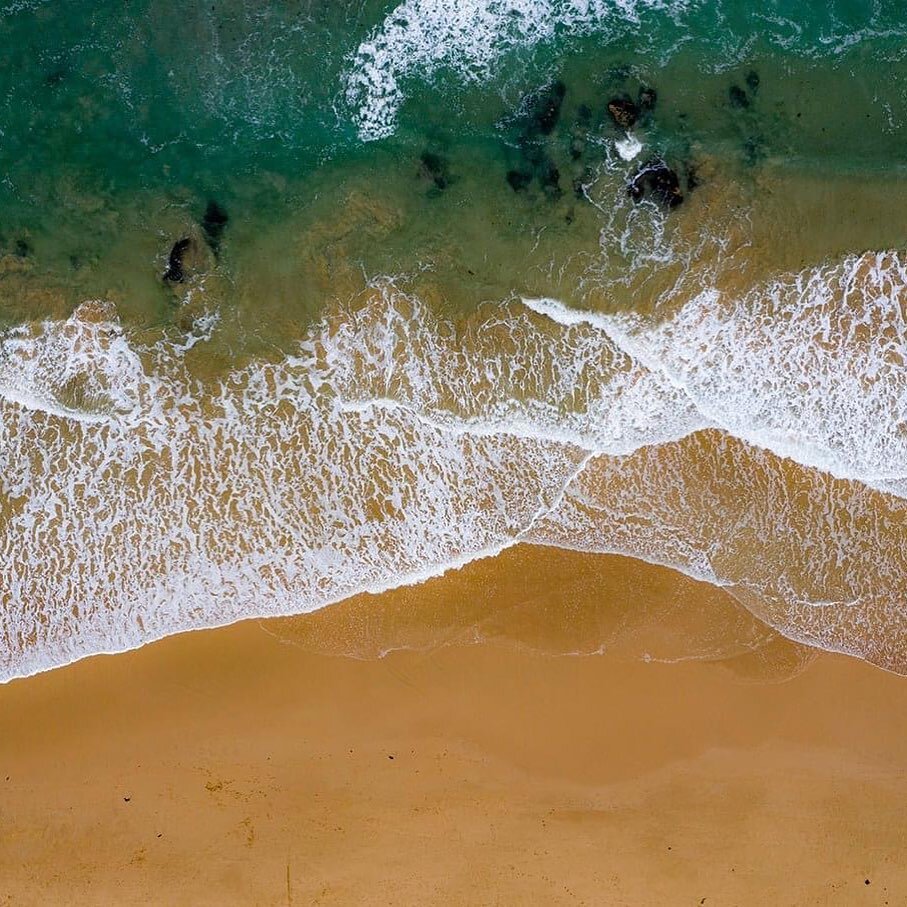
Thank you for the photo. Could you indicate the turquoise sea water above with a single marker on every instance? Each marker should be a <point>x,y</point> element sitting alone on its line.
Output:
<point>114,114</point>
<point>301,299</point>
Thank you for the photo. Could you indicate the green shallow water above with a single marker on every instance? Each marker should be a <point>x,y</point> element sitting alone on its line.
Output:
<point>119,122</point>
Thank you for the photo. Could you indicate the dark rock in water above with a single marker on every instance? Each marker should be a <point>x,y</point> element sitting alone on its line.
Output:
<point>548,108</point>
<point>23,248</point>
<point>656,179</point>
<point>623,111</point>
<point>213,224</point>
<point>519,180</point>
<point>434,167</point>
<point>737,97</point>
<point>693,180</point>
<point>584,114</point>
<point>579,189</point>
<point>174,272</point>
<point>647,99</point>
<point>752,80</point>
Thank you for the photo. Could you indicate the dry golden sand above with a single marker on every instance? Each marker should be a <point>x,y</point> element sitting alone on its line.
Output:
<point>246,766</point>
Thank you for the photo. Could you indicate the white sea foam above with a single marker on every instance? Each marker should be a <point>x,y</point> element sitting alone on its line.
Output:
<point>265,494</point>
<point>821,559</point>
<point>628,147</point>
<point>812,366</point>
<point>136,501</point>
<point>420,37</point>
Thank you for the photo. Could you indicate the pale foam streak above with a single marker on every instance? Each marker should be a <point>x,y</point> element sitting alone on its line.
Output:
<point>393,446</point>
<point>812,366</point>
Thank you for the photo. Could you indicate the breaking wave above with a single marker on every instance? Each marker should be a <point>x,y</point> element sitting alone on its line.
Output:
<point>420,37</point>
<point>756,442</point>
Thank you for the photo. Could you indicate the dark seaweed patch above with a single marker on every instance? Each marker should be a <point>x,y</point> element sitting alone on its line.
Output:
<point>174,272</point>
<point>519,180</point>
<point>738,97</point>
<point>434,167</point>
<point>213,224</point>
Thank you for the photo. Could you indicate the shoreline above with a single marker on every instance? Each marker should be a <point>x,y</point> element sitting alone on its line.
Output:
<point>431,585</point>
<point>239,766</point>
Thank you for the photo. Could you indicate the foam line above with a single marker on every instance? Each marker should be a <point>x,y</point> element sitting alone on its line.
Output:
<point>137,502</point>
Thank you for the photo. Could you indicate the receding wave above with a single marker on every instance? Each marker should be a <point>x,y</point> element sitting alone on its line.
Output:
<point>754,442</point>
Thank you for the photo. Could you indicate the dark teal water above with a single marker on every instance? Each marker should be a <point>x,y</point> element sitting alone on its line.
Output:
<point>113,115</point>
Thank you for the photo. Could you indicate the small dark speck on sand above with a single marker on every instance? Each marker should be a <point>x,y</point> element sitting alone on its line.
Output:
<point>390,757</point>
<point>126,799</point>
<point>866,882</point>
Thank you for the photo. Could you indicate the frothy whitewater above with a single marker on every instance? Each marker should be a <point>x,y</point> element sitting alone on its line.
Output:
<point>758,443</point>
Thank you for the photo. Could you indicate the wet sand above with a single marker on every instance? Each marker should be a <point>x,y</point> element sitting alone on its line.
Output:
<point>245,765</point>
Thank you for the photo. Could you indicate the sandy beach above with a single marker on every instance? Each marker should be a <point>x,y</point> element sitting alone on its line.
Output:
<point>246,766</point>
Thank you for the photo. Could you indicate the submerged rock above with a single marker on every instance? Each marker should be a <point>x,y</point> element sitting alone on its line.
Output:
<point>548,108</point>
<point>693,180</point>
<point>55,77</point>
<point>738,97</point>
<point>647,99</point>
<point>752,80</point>
<point>519,180</point>
<point>658,181</point>
<point>434,167</point>
<point>623,111</point>
<point>213,225</point>
<point>753,150</point>
<point>23,248</point>
<point>175,272</point>
<point>550,178</point>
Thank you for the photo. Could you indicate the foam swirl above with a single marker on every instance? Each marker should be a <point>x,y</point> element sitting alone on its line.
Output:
<point>753,442</point>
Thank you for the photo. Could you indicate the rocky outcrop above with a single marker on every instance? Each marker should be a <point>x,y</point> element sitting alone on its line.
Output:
<point>657,181</point>
<point>623,111</point>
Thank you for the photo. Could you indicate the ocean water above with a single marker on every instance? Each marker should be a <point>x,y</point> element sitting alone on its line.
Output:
<point>305,300</point>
